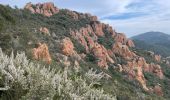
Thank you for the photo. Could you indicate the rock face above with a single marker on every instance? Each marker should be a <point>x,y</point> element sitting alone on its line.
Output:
<point>47,9</point>
<point>67,47</point>
<point>120,37</point>
<point>137,66</point>
<point>134,69</point>
<point>98,29</point>
<point>44,30</point>
<point>157,58</point>
<point>130,43</point>
<point>88,36</point>
<point>101,54</point>
<point>42,53</point>
<point>122,50</point>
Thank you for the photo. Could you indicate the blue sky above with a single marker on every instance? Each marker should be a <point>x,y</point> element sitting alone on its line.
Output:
<point>126,16</point>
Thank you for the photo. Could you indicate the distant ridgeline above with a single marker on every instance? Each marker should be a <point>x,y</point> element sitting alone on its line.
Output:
<point>154,41</point>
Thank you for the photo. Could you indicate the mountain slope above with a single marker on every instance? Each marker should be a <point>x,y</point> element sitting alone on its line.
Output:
<point>154,41</point>
<point>64,39</point>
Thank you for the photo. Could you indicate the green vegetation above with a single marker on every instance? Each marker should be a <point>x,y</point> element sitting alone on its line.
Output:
<point>27,79</point>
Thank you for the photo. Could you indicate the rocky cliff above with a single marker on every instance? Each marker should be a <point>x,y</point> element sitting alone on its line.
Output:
<point>88,36</point>
<point>47,9</point>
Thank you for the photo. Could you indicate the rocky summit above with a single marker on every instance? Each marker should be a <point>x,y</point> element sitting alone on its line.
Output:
<point>65,39</point>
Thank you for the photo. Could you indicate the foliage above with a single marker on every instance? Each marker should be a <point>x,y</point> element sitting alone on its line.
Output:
<point>22,79</point>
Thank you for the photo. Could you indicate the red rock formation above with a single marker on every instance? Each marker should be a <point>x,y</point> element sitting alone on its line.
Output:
<point>109,29</point>
<point>120,37</point>
<point>47,9</point>
<point>67,47</point>
<point>157,58</point>
<point>158,90</point>
<point>29,7</point>
<point>134,70</point>
<point>156,69</point>
<point>92,18</point>
<point>73,14</point>
<point>42,53</point>
<point>85,36</point>
<point>45,30</point>
<point>98,29</point>
<point>122,50</point>
<point>130,43</point>
<point>101,54</point>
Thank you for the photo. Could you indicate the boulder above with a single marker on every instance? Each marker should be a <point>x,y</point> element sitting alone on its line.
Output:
<point>122,50</point>
<point>157,58</point>
<point>130,43</point>
<point>42,53</point>
<point>44,30</point>
<point>101,54</point>
<point>67,47</point>
<point>120,37</point>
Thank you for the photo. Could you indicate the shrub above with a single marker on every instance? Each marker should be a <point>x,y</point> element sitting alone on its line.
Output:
<point>22,79</point>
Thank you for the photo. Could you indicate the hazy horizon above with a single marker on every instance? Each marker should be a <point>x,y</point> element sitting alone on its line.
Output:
<point>131,17</point>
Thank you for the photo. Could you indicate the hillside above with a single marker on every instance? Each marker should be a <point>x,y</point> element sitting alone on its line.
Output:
<point>154,41</point>
<point>88,59</point>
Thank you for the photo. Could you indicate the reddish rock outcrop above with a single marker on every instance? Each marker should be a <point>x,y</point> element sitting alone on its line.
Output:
<point>101,54</point>
<point>137,66</point>
<point>73,14</point>
<point>42,53</point>
<point>122,50</point>
<point>156,69</point>
<point>120,37</point>
<point>45,30</point>
<point>157,58</point>
<point>134,70</point>
<point>130,43</point>
<point>67,47</point>
<point>47,9</point>
<point>98,29</point>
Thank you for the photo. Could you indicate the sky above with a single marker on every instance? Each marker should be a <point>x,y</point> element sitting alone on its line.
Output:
<point>131,17</point>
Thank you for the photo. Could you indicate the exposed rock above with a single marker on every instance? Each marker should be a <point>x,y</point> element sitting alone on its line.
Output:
<point>122,50</point>
<point>42,53</point>
<point>158,90</point>
<point>135,71</point>
<point>157,58</point>
<point>73,14</point>
<point>109,29</point>
<point>29,7</point>
<point>130,43</point>
<point>156,69</point>
<point>67,47</point>
<point>101,54</point>
<point>120,69</point>
<point>85,36</point>
<point>92,18</point>
<point>98,29</point>
<point>45,30</point>
<point>120,37</point>
<point>47,9</point>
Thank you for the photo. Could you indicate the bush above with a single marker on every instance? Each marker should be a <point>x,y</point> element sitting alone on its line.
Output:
<point>22,79</point>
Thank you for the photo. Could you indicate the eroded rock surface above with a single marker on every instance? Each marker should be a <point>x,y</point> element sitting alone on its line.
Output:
<point>47,9</point>
<point>42,53</point>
